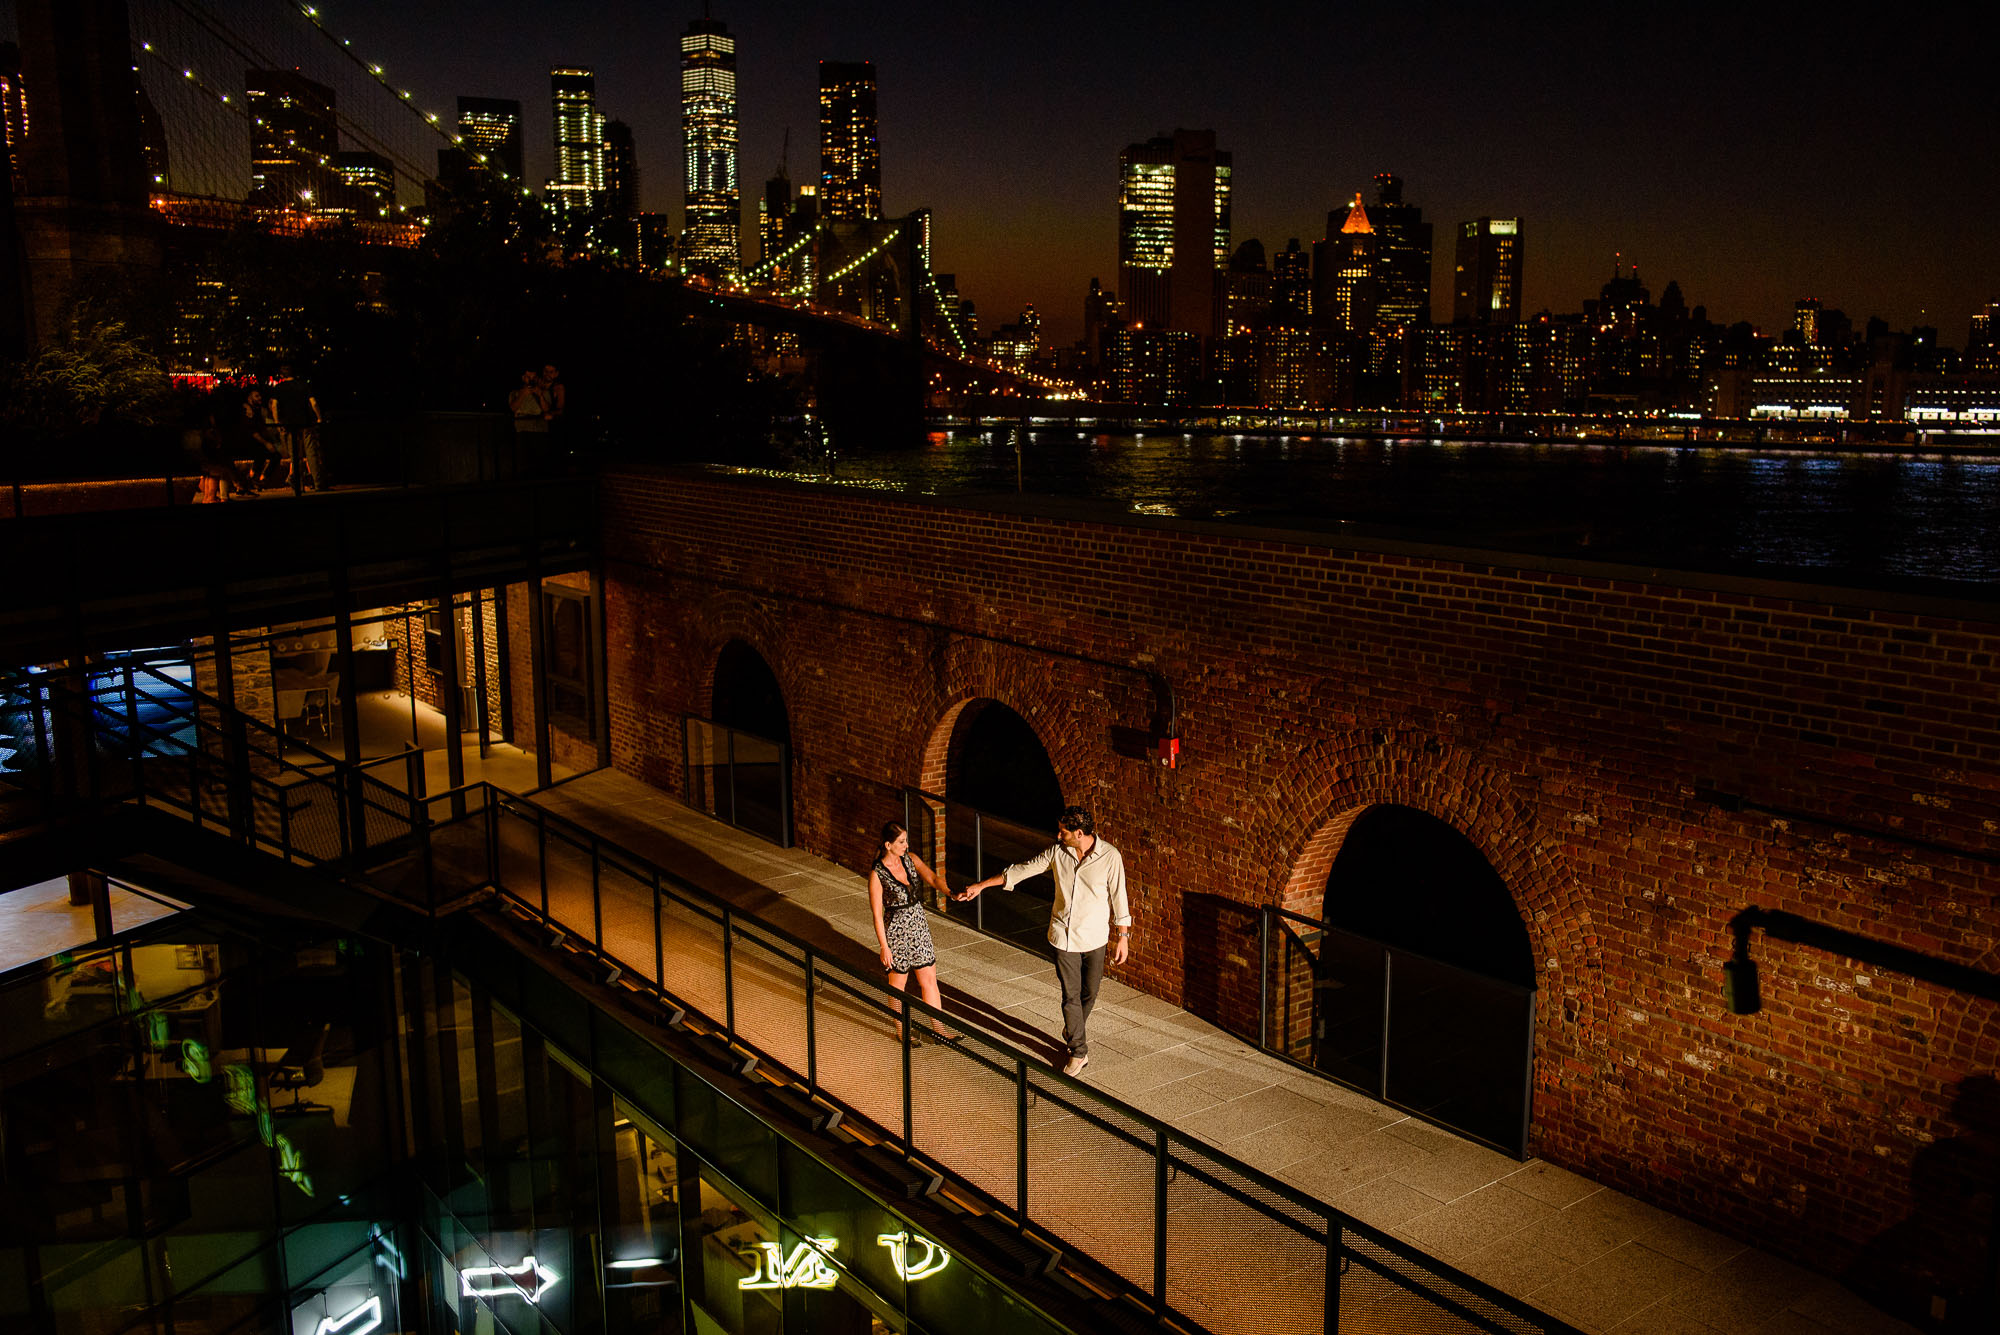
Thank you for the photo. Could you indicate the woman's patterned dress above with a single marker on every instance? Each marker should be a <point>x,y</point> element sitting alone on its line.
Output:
<point>903,920</point>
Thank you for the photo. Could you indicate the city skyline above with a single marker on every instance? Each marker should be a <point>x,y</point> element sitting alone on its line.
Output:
<point>1749,162</point>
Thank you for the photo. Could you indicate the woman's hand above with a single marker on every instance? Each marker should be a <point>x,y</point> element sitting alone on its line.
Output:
<point>888,959</point>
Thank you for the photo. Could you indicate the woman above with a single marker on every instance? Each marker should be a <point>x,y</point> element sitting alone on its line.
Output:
<point>900,928</point>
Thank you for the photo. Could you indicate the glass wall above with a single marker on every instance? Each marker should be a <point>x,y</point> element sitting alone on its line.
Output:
<point>208,1134</point>
<point>199,1135</point>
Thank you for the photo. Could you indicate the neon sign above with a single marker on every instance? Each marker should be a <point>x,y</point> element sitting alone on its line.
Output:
<point>806,1268</point>
<point>361,1321</point>
<point>530,1280</point>
<point>935,1259</point>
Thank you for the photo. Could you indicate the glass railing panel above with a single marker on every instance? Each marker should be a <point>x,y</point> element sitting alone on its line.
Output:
<point>707,787</point>
<point>1459,1049</point>
<point>1347,1009</point>
<point>760,788</point>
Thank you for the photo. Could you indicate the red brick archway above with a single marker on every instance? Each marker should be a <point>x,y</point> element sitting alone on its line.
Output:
<point>1307,813</point>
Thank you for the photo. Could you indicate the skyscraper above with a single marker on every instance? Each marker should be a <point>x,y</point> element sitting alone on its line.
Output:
<point>1291,284</point>
<point>621,171</point>
<point>1347,278</point>
<point>292,140</point>
<point>850,155</point>
<point>578,186</point>
<point>714,242</point>
<point>1486,283</point>
<point>492,126</point>
<point>1403,240</point>
<point>1173,232</point>
<point>368,184</point>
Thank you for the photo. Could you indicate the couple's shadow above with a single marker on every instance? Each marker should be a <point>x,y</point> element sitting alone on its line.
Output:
<point>1023,1034</point>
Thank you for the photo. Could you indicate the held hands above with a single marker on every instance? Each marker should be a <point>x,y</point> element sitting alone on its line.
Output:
<point>970,892</point>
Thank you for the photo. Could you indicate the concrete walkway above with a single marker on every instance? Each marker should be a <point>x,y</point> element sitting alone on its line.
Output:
<point>1589,1255</point>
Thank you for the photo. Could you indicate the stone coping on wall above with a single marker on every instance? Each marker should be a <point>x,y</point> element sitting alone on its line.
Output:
<point>1958,600</point>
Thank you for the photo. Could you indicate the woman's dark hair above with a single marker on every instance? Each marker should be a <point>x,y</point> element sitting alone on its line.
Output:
<point>891,830</point>
<point>1078,819</point>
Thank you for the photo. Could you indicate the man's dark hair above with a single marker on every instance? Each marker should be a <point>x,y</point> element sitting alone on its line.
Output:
<point>1078,819</point>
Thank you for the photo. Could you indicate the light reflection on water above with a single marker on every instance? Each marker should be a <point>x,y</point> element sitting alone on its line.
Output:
<point>1854,517</point>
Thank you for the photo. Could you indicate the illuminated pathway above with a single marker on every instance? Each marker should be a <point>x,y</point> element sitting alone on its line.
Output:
<point>1589,1255</point>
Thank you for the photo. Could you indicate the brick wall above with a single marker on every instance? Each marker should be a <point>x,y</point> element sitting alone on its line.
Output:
<point>1571,724</point>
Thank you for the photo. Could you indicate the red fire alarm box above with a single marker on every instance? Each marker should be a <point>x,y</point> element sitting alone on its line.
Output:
<point>1170,752</point>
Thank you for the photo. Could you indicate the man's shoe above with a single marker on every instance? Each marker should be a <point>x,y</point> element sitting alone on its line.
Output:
<point>1074,1066</point>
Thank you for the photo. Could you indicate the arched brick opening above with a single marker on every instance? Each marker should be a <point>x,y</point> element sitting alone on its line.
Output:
<point>744,685</point>
<point>1306,820</point>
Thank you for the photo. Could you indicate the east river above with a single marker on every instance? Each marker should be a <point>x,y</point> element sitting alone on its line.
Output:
<point>1917,521</point>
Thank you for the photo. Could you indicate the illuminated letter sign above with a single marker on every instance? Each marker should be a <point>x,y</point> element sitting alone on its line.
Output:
<point>195,1062</point>
<point>362,1320</point>
<point>935,1258</point>
<point>806,1269</point>
<point>529,1280</point>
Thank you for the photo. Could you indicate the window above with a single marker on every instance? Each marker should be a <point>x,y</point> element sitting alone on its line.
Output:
<point>567,662</point>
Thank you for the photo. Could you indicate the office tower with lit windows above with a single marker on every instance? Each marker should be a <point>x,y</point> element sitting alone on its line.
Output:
<point>293,140</point>
<point>13,105</point>
<point>621,171</point>
<point>1291,284</point>
<point>491,126</point>
<point>774,214</point>
<point>1347,272</point>
<point>1173,232</point>
<point>577,189</point>
<point>714,241</point>
<point>1403,240</point>
<point>1486,279</point>
<point>368,185</point>
<point>850,154</point>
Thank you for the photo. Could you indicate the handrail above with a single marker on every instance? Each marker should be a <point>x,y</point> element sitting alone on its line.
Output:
<point>1173,1151</point>
<point>1182,1152</point>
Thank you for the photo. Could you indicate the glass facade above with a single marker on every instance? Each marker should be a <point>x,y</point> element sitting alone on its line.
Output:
<point>708,131</point>
<point>212,1133</point>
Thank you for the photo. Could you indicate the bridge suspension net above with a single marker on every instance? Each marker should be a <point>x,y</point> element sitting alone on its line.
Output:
<point>270,104</point>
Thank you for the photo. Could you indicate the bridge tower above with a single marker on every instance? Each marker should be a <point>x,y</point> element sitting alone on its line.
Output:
<point>82,210</point>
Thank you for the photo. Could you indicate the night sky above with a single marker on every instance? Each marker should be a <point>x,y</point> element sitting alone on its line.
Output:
<point>1828,151</point>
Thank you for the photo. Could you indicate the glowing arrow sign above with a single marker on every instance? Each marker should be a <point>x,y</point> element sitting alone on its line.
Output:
<point>360,1321</point>
<point>530,1280</point>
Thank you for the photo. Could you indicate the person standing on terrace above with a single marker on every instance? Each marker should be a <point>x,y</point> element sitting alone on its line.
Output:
<point>900,928</point>
<point>1091,911</point>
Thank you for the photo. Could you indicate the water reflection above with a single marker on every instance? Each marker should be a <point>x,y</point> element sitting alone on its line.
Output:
<point>1866,518</point>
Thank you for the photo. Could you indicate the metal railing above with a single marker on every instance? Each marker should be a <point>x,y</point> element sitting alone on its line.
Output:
<point>1209,1242</point>
<point>1447,1043</point>
<point>132,732</point>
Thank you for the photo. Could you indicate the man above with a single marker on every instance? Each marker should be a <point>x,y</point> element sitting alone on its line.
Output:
<point>1090,911</point>
<point>298,419</point>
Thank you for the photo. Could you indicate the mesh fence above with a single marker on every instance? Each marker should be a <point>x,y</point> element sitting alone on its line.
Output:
<point>625,892</point>
<point>860,1053</point>
<point>1090,1177</point>
<point>691,948</point>
<point>1386,1288</point>
<point>770,997</point>
<point>963,1102</point>
<point>1239,1256</point>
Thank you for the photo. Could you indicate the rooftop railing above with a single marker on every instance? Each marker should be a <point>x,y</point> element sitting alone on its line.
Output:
<point>1203,1240</point>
